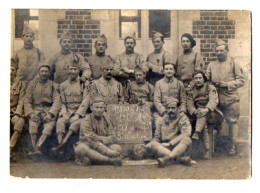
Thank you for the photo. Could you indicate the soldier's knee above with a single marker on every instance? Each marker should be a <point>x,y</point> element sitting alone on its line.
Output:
<point>81,149</point>
<point>19,125</point>
<point>187,141</point>
<point>60,126</point>
<point>152,144</point>
<point>116,147</point>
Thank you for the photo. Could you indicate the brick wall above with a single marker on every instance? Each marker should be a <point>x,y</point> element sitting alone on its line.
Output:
<point>212,25</point>
<point>82,28</point>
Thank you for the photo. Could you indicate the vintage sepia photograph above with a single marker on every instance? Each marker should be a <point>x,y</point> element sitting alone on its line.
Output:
<point>130,94</point>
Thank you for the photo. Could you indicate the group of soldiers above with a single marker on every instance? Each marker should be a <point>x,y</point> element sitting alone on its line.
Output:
<point>70,93</point>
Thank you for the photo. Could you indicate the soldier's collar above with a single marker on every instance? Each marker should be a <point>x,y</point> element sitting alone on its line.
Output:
<point>168,80</point>
<point>64,52</point>
<point>158,51</point>
<point>100,54</point>
<point>107,82</point>
<point>76,80</point>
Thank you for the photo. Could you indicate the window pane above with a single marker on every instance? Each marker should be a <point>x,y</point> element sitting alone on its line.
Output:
<point>160,20</point>
<point>20,16</point>
<point>128,28</point>
<point>130,13</point>
<point>34,12</point>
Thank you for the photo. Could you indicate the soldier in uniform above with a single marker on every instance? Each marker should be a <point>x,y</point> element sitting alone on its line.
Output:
<point>140,91</point>
<point>28,58</point>
<point>61,61</point>
<point>128,61</point>
<point>107,87</point>
<point>227,76</point>
<point>98,60</point>
<point>189,61</point>
<point>168,87</point>
<point>97,142</point>
<point>41,106</point>
<point>17,91</point>
<point>202,101</point>
<point>172,136</point>
<point>74,105</point>
<point>157,59</point>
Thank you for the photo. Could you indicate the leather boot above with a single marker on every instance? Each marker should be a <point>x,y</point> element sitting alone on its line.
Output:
<point>162,162</point>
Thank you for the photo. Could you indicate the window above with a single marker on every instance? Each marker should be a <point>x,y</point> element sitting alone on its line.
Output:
<point>129,23</point>
<point>160,20</point>
<point>26,17</point>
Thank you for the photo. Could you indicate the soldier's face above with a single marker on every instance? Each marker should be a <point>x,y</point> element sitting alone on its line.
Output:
<point>129,44</point>
<point>28,39</point>
<point>44,73</point>
<point>98,109</point>
<point>66,44</point>
<point>139,76</point>
<point>169,70</point>
<point>172,110</point>
<point>221,52</point>
<point>199,80</point>
<point>108,72</point>
<point>157,43</point>
<point>73,72</point>
<point>100,46</point>
<point>185,43</point>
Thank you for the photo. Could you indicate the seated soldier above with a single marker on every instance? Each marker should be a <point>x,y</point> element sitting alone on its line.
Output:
<point>172,136</point>
<point>139,91</point>
<point>17,91</point>
<point>74,104</point>
<point>202,100</point>
<point>41,105</point>
<point>97,142</point>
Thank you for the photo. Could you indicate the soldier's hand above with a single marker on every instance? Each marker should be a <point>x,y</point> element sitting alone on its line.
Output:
<point>47,118</point>
<point>65,119</point>
<point>204,111</point>
<point>74,118</point>
<point>223,84</point>
<point>15,119</point>
<point>166,144</point>
<point>34,117</point>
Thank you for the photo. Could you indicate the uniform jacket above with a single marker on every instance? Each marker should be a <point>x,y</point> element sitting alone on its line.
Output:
<point>60,65</point>
<point>111,91</point>
<point>205,96</point>
<point>165,89</point>
<point>187,64</point>
<point>72,94</point>
<point>27,61</point>
<point>229,72</point>
<point>97,130</point>
<point>17,92</point>
<point>143,91</point>
<point>97,62</point>
<point>42,97</point>
<point>167,132</point>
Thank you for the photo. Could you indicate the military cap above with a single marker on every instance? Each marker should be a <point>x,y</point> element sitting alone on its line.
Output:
<point>171,101</point>
<point>140,68</point>
<point>156,35</point>
<point>220,42</point>
<point>44,64</point>
<point>133,36</point>
<point>102,38</point>
<point>66,35</point>
<point>96,99</point>
<point>27,30</point>
<point>108,63</point>
<point>192,41</point>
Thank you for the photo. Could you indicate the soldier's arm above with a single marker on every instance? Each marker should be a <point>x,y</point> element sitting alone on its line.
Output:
<point>56,101</point>
<point>153,67</point>
<point>116,63</point>
<point>63,109</point>
<point>158,99</point>
<point>142,63</point>
<point>190,103</point>
<point>151,95</point>
<point>119,68</point>
<point>110,138</point>
<point>184,124</point>
<point>183,99</point>
<point>239,78</point>
<point>213,98</point>
<point>84,67</point>
<point>20,106</point>
<point>93,89</point>
<point>87,130</point>
<point>157,133</point>
<point>28,99</point>
<point>82,110</point>
<point>200,64</point>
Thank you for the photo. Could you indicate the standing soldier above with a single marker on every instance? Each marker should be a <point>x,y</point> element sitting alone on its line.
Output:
<point>28,58</point>
<point>189,61</point>
<point>168,87</point>
<point>157,59</point>
<point>74,105</point>
<point>140,91</point>
<point>172,136</point>
<point>41,105</point>
<point>98,60</point>
<point>227,76</point>
<point>202,101</point>
<point>128,61</point>
<point>107,87</point>
<point>17,91</point>
<point>61,61</point>
<point>97,142</point>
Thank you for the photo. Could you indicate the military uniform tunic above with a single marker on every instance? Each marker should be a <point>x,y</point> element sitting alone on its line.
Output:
<point>60,66</point>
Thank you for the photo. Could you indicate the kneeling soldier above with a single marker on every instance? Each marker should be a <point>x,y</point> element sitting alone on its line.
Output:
<point>97,140</point>
<point>73,109</point>
<point>172,136</point>
<point>41,105</point>
<point>202,100</point>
